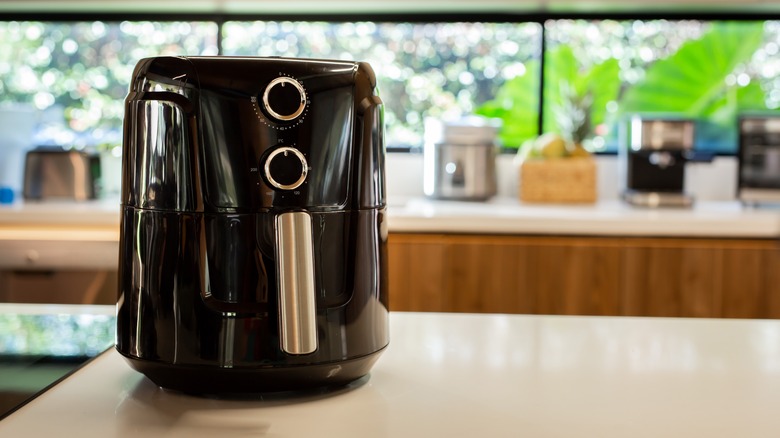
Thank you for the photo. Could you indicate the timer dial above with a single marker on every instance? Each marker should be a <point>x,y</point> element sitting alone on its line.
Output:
<point>286,168</point>
<point>284,99</point>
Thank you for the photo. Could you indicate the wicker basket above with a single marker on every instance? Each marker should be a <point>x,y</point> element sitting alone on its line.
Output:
<point>564,180</point>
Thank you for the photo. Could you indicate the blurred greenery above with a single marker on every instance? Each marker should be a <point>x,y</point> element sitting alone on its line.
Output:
<point>576,95</point>
<point>55,335</point>
<point>517,105</point>
<point>82,70</point>
<point>694,81</point>
<point>596,71</point>
<point>441,70</point>
<point>576,98</point>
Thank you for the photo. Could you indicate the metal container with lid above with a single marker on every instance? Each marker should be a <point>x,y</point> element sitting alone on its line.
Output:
<point>460,158</point>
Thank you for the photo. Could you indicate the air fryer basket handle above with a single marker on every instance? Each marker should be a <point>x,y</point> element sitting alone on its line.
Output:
<point>295,268</point>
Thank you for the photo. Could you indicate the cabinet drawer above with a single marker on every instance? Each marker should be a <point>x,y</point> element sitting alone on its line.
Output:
<point>58,254</point>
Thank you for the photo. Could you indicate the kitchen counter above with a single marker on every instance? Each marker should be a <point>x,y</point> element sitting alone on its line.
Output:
<point>95,214</point>
<point>469,375</point>
<point>729,219</point>
<point>497,216</point>
<point>85,235</point>
<point>59,235</point>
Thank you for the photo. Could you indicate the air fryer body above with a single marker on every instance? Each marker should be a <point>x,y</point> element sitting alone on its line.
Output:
<point>253,235</point>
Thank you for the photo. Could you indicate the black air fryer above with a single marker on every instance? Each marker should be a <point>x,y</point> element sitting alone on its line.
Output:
<point>253,236</point>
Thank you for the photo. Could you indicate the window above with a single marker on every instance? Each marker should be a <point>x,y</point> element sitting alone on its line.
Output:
<point>442,70</point>
<point>63,83</point>
<point>72,78</point>
<point>710,71</point>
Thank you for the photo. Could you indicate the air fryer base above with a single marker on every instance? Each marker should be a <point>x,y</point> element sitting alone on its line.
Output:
<point>207,380</point>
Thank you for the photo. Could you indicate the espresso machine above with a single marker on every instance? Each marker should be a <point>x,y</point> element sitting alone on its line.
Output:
<point>253,229</point>
<point>759,159</point>
<point>654,152</point>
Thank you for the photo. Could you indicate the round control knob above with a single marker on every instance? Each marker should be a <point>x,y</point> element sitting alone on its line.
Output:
<point>286,168</point>
<point>284,99</point>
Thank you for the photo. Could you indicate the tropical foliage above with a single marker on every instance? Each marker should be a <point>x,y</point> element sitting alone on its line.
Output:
<point>517,105</point>
<point>709,78</point>
<point>694,81</point>
<point>595,72</point>
<point>440,70</point>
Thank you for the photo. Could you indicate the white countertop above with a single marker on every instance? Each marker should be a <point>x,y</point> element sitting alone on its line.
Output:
<point>465,375</point>
<point>604,218</point>
<point>104,212</point>
<point>53,235</point>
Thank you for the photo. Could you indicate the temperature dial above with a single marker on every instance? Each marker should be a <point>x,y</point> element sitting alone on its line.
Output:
<point>286,168</point>
<point>284,99</point>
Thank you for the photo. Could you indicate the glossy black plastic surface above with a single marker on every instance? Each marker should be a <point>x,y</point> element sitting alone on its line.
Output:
<point>644,175</point>
<point>198,287</point>
<point>206,135</point>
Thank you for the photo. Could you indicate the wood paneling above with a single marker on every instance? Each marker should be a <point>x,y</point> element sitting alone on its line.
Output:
<point>670,279</point>
<point>485,275</point>
<point>572,276</point>
<point>417,266</point>
<point>503,274</point>
<point>750,281</point>
<point>585,275</point>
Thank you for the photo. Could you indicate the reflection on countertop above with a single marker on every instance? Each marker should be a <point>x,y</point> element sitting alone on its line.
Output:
<point>471,375</point>
<point>40,344</point>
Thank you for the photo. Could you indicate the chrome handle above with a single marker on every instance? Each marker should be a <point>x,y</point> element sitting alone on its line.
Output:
<point>295,270</point>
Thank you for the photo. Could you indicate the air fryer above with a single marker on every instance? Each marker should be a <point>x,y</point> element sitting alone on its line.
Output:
<point>253,235</point>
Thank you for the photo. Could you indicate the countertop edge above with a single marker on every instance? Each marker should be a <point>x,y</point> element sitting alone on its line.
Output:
<point>727,219</point>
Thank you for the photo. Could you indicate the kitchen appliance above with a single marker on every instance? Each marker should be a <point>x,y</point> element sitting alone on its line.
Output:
<point>759,159</point>
<point>56,173</point>
<point>253,234</point>
<point>654,153</point>
<point>460,158</point>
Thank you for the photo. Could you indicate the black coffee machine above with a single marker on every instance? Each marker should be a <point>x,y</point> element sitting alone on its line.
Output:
<point>254,228</point>
<point>654,153</point>
<point>759,159</point>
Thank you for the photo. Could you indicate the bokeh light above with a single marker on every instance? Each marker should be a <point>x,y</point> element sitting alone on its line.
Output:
<point>79,72</point>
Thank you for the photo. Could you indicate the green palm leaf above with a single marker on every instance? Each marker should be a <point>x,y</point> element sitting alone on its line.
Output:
<point>517,105</point>
<point>692,81</point>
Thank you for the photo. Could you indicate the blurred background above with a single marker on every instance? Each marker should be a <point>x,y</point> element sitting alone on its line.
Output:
<point>63,82</point>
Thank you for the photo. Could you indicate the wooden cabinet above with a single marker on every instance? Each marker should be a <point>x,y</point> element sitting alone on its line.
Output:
<point>503,274</point>
<point>585,275</point>
<point>675,278</point>
<point>701,277</point>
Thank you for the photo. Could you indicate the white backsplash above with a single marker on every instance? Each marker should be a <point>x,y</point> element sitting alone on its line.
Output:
<point>715,181</point>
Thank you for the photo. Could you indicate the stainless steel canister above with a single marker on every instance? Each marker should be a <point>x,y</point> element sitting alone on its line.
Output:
<point>460,158</point>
